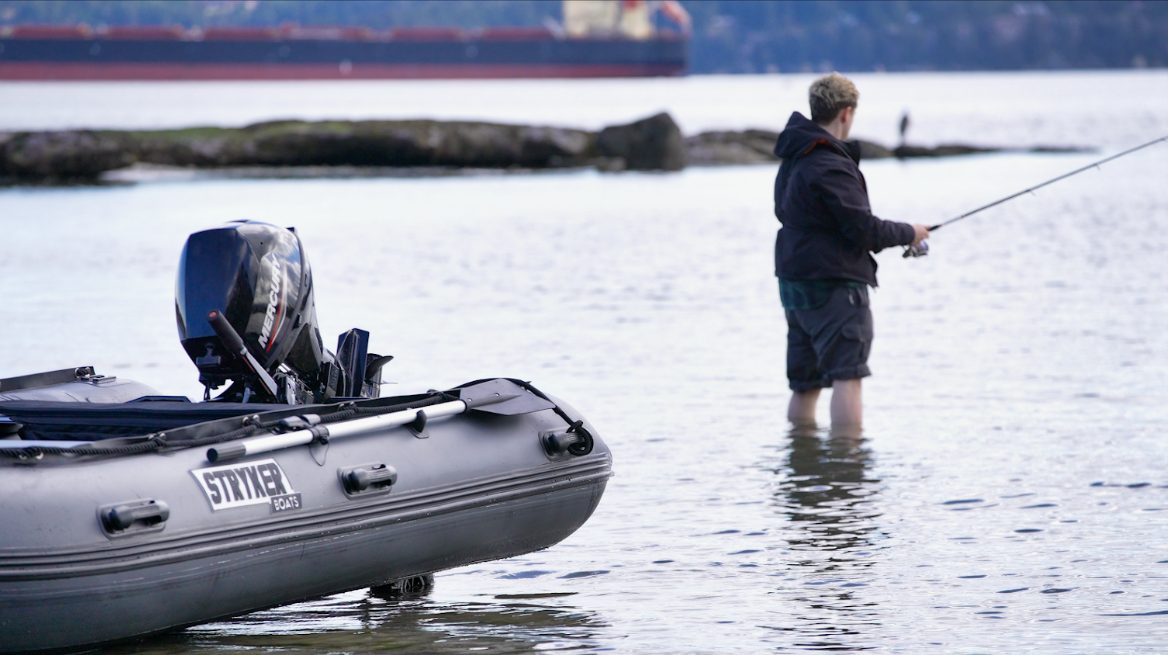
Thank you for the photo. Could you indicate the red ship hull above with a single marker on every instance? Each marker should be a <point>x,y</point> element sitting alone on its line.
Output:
<point>41,71</point>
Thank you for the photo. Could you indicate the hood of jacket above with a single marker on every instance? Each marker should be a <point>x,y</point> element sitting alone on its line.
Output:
<point>802,135</point>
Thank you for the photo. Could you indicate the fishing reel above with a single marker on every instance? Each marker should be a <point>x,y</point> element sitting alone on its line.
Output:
<point>919,250</point>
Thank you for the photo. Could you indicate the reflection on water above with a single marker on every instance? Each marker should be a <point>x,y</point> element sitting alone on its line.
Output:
<point>826,493</point>
<point>360,622</point>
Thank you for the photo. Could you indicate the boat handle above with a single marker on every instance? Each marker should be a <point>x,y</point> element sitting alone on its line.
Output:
<point>558,442</point>
<point>135,515</point>
<point>369,477</point>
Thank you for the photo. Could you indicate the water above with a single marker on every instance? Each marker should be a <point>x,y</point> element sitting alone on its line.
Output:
<point>1008,494</point>
<point>1087,108</point>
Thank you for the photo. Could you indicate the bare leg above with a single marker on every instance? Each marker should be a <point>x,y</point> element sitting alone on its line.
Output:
<point>801,410</point>
<point>847,406</point>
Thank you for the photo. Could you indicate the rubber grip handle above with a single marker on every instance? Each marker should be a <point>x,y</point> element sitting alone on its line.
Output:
<point>556,444</point>
<point>124,517</point>
<point>360,479</point>
<point>224,453</point>
<point>230,337</point>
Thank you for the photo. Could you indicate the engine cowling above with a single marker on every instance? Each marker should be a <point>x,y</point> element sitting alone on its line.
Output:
<point>257,276</point>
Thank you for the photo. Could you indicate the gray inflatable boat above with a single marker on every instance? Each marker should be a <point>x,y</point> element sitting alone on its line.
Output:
<point>130,518</point>
<point>128,513</point>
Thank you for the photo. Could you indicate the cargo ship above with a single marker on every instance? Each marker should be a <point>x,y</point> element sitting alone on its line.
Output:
<point>617,38</point>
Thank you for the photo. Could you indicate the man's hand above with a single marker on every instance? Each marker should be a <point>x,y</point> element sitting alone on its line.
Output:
<point>919,247</point>
<point>920,233</point>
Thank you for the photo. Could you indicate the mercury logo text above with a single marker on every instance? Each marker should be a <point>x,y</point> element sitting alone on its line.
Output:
<point>266,336</point>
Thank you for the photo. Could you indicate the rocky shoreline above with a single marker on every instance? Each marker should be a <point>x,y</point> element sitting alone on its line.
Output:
<point>650,144</point>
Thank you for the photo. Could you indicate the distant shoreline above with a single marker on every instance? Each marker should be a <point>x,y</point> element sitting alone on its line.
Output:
<point>306,149</point>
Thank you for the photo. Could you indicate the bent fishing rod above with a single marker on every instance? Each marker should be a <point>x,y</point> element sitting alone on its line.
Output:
<point>919,251</point>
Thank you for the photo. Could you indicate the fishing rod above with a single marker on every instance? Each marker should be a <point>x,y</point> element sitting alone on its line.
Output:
<point>919,251</point>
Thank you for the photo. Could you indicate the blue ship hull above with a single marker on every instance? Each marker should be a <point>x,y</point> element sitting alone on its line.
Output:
<point>259,54</point>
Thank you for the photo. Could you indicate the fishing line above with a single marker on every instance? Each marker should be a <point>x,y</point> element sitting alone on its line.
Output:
<point>1050,181</point>
<point>918,251</point>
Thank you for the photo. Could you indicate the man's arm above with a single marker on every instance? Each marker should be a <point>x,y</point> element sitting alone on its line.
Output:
<point>843,194</point>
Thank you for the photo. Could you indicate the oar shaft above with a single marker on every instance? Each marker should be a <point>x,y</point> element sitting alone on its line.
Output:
<point>396,419</point>
<point>266,444</point>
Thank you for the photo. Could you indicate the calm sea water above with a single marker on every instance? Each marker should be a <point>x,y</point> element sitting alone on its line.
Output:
<point>1009,492</point>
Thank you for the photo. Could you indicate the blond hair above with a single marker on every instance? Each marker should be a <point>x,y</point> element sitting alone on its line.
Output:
<point>830,94</point>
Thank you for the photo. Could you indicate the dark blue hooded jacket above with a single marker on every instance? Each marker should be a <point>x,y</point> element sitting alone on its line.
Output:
<point>828,230</point>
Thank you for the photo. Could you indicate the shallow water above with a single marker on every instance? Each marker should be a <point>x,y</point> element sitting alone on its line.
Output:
<point>1008,494</point>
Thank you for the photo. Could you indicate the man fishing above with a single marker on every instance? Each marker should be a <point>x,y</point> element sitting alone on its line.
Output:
<point>823,254</point>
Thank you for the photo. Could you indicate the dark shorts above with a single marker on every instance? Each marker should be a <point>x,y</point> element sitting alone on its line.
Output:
<point>830,342</point>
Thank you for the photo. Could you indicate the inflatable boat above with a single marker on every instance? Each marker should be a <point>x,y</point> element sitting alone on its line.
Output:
<point>128,512</point>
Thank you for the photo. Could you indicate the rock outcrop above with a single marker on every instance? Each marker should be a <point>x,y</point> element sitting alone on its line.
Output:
<point>944,150</point>
<point>451,144</point>
<point>651,144</point>
<point>61,156</point>
<point>732,147</point>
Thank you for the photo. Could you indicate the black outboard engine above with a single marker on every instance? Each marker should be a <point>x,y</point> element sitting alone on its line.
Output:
<point>246,313</point>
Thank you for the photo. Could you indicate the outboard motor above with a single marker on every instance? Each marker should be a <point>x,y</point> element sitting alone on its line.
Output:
<point>246,313</point>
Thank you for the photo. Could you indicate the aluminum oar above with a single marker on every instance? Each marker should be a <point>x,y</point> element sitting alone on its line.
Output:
<point>497,396</point>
